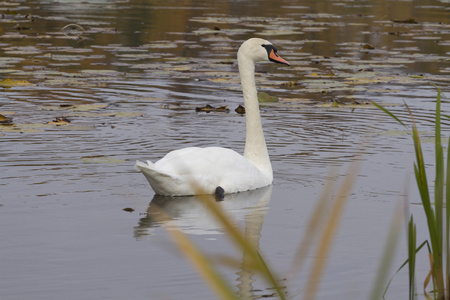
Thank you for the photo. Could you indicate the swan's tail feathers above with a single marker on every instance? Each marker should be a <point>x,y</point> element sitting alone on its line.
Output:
<point>149,170</point>
<point>139,164</point>
<point>162,183</point>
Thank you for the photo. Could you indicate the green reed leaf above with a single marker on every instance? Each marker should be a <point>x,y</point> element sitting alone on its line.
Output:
<point>388,112</point>
<point>412,257</point>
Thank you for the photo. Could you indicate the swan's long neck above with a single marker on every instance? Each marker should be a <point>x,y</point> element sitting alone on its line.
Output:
<point>255,144</point>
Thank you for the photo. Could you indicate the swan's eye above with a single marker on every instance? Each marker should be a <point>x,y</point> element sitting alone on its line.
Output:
<point>270,48</point>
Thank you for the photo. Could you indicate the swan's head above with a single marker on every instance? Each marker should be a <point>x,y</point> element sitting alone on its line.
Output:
<point>260,50</point>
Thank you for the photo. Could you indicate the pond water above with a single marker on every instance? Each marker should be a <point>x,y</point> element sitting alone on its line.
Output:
<point>128,76</point>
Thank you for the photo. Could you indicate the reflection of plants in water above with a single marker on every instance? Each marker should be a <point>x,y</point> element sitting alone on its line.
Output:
<point>320,231</point>
<point>438,226</point>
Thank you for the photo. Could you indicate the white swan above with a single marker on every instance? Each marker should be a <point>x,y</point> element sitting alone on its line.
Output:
<point>214,170</point>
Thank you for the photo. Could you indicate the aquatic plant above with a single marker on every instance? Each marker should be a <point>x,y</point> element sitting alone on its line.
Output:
<point>438,227</point>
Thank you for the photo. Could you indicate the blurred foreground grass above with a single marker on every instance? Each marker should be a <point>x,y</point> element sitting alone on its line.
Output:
<point>318,239</point>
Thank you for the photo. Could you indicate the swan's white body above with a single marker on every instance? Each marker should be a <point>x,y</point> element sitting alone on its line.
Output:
<point>191,171</point>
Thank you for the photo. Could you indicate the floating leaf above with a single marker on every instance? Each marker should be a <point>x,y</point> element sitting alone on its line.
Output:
<point>76,107</point>
<point>16,129</point>
<point>222,108</point>
<point>76,128</point>
<point>7,83</point>
<point>125,114</point>
<point>291,83</point>
<point>368,46</point>
<point>240,110</point>
<point>264,97</point>
<point>406,21</point>
<point>353,105</point>
<point>59,121</point>
<point>208,108</point>
<point>5,120</point>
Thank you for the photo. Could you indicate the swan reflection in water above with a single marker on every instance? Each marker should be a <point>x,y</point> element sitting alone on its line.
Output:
<point>192,217</point>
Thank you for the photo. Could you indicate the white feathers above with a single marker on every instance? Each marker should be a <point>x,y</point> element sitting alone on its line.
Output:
<point>193,170</point>
<point>190,171</point>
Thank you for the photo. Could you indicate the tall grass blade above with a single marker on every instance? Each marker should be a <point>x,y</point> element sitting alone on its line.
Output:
<point>387,112</point>
<point>256,260</point>
<point>202,264</point>
<point>329,231</point>
<point>388,255</point>
<point>447,197</point>
<point>313,226</point>
<point>412,257</point>
<point>430,274</point>
<point>439,181</point>
<point>435,221</point>
<point>404,264</point>
<point>447,223</point>
<point>439,198</point>
<point>432,217</point>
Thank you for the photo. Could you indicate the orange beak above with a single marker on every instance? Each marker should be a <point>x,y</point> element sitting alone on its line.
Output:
<point>276,58</point>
